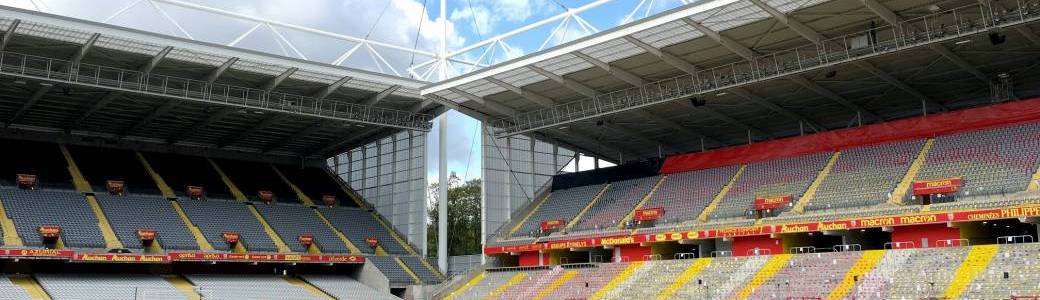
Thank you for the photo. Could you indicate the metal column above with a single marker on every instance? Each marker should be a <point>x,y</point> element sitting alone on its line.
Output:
<point>442,195</point>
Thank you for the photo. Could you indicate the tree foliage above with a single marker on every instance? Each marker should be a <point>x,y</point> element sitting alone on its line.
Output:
<point>463,220</point>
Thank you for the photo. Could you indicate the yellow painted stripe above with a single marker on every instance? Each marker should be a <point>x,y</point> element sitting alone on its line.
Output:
<point>864,265</point>
<point>911,173</point>
<point>703,217</point>
<point>469,284</point>
<point>408,270</point>
<point>687,275</point>
<point>200,239</point>
<point>529,214</point>
<point>31,286</point>
<point>617,280</point>
<point>235,192</point>
<point>1034,182</point>
<point>271,233</point>
<point>978,259</point>
<point>516,279</point>
<point>342,237</point>
<point>111,240</point>
<point>646,198</point>
<point>799,206</point>
<point>159,181</point>
<point>587,207</point>
<point>11,237</point>
<point>767,272</point>
<point>184,286</point>
<point>300,195</point>
<point>309,287</point>
<point>555,284</point>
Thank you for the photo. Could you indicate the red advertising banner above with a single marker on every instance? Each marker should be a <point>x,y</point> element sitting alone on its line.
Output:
<point>26,181</point>
<point>552,224</point>
<point>648,214</point>
<point>258,257</point>
<point>306,240</point>
<point>265,196</point>
<point>50,231</point>
<point>39,253</point>
<point>372,242</point>
<point>939,186</point>
<point>146,234</point>
<point>123,258</point>
<point>231,237</point>
<point>329,200</point>
<point>772,202</point>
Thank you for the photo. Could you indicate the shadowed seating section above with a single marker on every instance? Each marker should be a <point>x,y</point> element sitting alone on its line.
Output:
<point>215,216</point>
<point>222,286</point>
<point>47,164</point>
<point>293,220</point>
<point>107,286</point>
<point>391,270</point>
<point>129,213</point>
<point>621,197</point>
<point>32,209</point>
<point>343,287</point>
<point>865,176</point>
<point>563,205</point>
<point>316,183</point>
<point>181,171</point>
<point>358,225</point>
<point>779,177</point>
<point>685,195</point>
<point>990,161</point>
<point>99,165</point>
<point>424,273</point>
<point>251,177</point>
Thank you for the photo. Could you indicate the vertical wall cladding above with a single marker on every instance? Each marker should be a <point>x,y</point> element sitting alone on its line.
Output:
<point>514,170</point>
<point>391,175</point>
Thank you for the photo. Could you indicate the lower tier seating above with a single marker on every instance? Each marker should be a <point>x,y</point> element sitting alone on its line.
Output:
<point>214,286</point>
<point>214,217</point>
<point>11,291</point>
<point>31,209</point>
<point>107,286</point>
<point>391,270</point>
<point>343,287</point>
<point>358,225</point>
<point>424,273</point>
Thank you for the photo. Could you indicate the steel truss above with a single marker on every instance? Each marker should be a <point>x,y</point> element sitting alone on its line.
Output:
<point>935,28</point>
<point>143,83</point>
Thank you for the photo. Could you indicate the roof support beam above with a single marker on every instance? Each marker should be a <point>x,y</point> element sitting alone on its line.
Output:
<point>154,62</point>
<point>529,95</point>
<point>587,138</point>
<point>826,93</point>
<point>9,34</point>
<point>216,73</point>
<point>313,128</point>
<point>231,140</point>
<point>795,25</point>
<point>567,83</point>
<point>618,73</point>
<point>84,49</point>
<point>640,136</point>
<point>214,117</point>
<point>772,106</point>
<point>110,96</point>
<point>674,126</point>
<point>380,96</point>
<point>325,92</point>
<point>866,66</point>
<point>727,42</point>
<point>668,58</point>
<point>500,108</point>
<point>36,96</point>
<point>277,80</point>
<point>325,150</point>
<point>421,106</point>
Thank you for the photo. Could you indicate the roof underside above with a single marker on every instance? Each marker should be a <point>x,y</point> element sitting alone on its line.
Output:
<point>73,111</point>
<point>947,75</point>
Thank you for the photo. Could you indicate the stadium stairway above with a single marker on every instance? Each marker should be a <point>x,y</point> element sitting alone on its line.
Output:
<point>408,270</point>
<point>908,179</point>
<point>306,200</point>
<point>799,207</point>
<point>703,217</point>
<point>168,193</point>
<point>617,280</point>
<point>11,238</point>
<point>1034,182</point>
<point>863,266</point>
<point>530,212</point>
<point>237,193</point>
<point>277,239</point>
<point>184,286</point>
<point>685,277</point>
<point>350,245</point>
<point>465,287</point>
<point>767,272</point>
<point>346,189</point>
<point>567,275</point>
<point>977,260</point>
<point>31,286</point>
<point>628,217</point>
<point>308,287</point>
<point>111,241</point>
<point>516,279</point>
<point>584,210</point>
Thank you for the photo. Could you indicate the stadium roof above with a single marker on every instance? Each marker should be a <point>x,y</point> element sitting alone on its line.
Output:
<point>764,69</point>
<point>196,96</point>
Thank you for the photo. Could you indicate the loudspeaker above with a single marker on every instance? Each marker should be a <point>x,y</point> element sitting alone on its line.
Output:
<point>831,74</point>
<point>997,38</point>
<point>697,101</point>
<point>599,123</point>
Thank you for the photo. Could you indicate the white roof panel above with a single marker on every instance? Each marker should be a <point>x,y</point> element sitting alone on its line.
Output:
<point>563,64</point>
<point>668,34</point>
<point>612,50</point>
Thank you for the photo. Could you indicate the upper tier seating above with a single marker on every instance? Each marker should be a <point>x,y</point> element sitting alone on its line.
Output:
<point>10,291</point>
<point>215,216</point>
<point>683,196</point>
<point>235,287</point>
<point>99,165</point>
<point>180,171</point>
<point>996,160</point>
<point>562,204</point>
<point>343,287</point>
<point>129,213</point>
<point>617,202</point>
<point>68,209</point>
<point>251,177</point>
<point>293,220</point>
<point>48,165</point>
<point>316,183</point>
<point>358,225</point>
<point>865,176</point>
<point>391,270</point>
<point>779,177</point>
<point>107,286</point>
<point>424,273</point>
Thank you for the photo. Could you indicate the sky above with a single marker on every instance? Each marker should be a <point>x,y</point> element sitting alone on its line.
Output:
<point>411,24</point>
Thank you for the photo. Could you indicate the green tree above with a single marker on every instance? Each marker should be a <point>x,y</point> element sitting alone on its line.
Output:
<point>463,220</point>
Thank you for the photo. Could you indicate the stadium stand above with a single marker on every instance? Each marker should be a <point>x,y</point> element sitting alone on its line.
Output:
<point>358,225</point>
<point>9,290</point>
<point>50,168</point>
<point>253,177</point>
<point>779,177</point>
<point>621,197</point>
<point>684,195</point>
<point>865,176</point>
<point>344,287</point>
<point>129,213</point>
<point>562,205</point>
<point>416,265</point>
<point>181,171</point>
<point>316,183</point>
<point>293,220</point>
<point>215,216</point>
<point>391,269</point>
<point>225,286</point>
<point>99,165</point>
<point>31,209</point>
<point>107,286</point>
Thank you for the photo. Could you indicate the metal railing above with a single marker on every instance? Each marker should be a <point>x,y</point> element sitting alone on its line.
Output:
<point>937,27</point>
<point>130,81</point>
